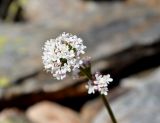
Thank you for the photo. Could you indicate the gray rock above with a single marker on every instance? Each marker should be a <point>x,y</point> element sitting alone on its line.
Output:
<point>60,12</point>
<point>140,105</point>
<point>121,34</point>
<point>20,45</point>
<point>13,116</point>
<point>152,3</point>
<point>48,112</point>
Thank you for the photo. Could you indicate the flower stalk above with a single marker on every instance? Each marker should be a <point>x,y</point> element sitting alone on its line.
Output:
<point>103,97</point>
<point>109,109</point>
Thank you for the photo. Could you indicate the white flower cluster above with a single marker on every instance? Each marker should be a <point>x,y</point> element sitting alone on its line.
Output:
<point>99,84</point>
<point>62,55</point>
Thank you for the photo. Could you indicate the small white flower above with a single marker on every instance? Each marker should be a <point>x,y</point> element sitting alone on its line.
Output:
<point>104,91</point>
<point>100,84</point>
<point>62,55</point>
<point>76,73</point>
<point>91,88</point>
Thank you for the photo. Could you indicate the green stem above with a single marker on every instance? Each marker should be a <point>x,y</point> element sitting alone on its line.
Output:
<point>88,75</point>
<point>109,108</point>
<point>105,101</point>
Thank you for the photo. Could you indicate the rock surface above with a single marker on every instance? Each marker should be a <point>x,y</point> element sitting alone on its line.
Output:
<point>22,43</point>
<point>64,12</point>
<point>152,3</point>
<point>20,47</point>
<point>13,116</point>
<point>47,112</point>
<point>140,104</point>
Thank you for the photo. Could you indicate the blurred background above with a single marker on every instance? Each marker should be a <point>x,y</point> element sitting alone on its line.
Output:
<point>122,38</point>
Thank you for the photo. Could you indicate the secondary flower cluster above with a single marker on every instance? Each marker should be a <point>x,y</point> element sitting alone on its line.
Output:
<point>62,55</point>
<point>99,84</point>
